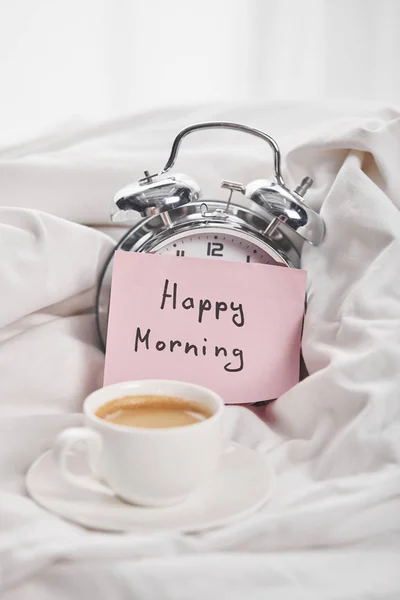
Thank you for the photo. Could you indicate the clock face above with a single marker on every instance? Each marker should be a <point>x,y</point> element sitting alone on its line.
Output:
<point>219,245</point>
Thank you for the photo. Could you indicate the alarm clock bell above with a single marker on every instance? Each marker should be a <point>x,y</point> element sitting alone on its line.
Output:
<point>269,228</point>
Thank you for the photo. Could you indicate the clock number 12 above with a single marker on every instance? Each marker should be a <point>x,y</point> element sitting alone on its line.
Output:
<point>215,249</point>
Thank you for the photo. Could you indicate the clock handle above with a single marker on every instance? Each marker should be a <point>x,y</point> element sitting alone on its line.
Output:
<point>226,125</point>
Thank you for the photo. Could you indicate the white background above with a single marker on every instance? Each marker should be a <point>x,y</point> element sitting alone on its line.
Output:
<point>71,61</point>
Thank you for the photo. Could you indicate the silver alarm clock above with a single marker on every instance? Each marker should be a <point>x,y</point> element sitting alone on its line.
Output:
<point>270,227</point>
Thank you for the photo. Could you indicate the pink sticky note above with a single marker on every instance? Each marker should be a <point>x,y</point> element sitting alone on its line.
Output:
<point>229,326</point>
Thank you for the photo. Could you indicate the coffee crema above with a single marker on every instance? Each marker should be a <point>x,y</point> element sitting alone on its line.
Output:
<point>152,411</point>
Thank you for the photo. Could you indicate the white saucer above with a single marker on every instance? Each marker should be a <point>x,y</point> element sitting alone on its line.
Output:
<point>243,482</point>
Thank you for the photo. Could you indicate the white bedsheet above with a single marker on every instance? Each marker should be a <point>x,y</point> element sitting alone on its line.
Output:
<point>332,529</point>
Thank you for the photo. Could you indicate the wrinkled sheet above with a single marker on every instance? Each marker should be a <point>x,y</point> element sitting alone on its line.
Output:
<point>332,529</point>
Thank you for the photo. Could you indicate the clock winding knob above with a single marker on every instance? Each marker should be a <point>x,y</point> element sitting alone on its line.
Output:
<point>304,186</point>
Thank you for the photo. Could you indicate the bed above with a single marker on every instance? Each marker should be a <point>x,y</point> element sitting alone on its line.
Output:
<point>332,528</point>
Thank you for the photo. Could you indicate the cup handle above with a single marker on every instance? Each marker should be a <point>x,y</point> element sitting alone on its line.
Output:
<point>65,442</point>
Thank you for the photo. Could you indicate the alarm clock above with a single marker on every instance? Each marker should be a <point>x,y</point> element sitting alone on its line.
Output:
<point>268,224</point>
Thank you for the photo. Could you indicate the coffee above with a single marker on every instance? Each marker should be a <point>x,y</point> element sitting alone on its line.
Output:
<point>151,411</point>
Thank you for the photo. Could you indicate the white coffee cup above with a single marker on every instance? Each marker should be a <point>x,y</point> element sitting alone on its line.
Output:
<point>150,467</point>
